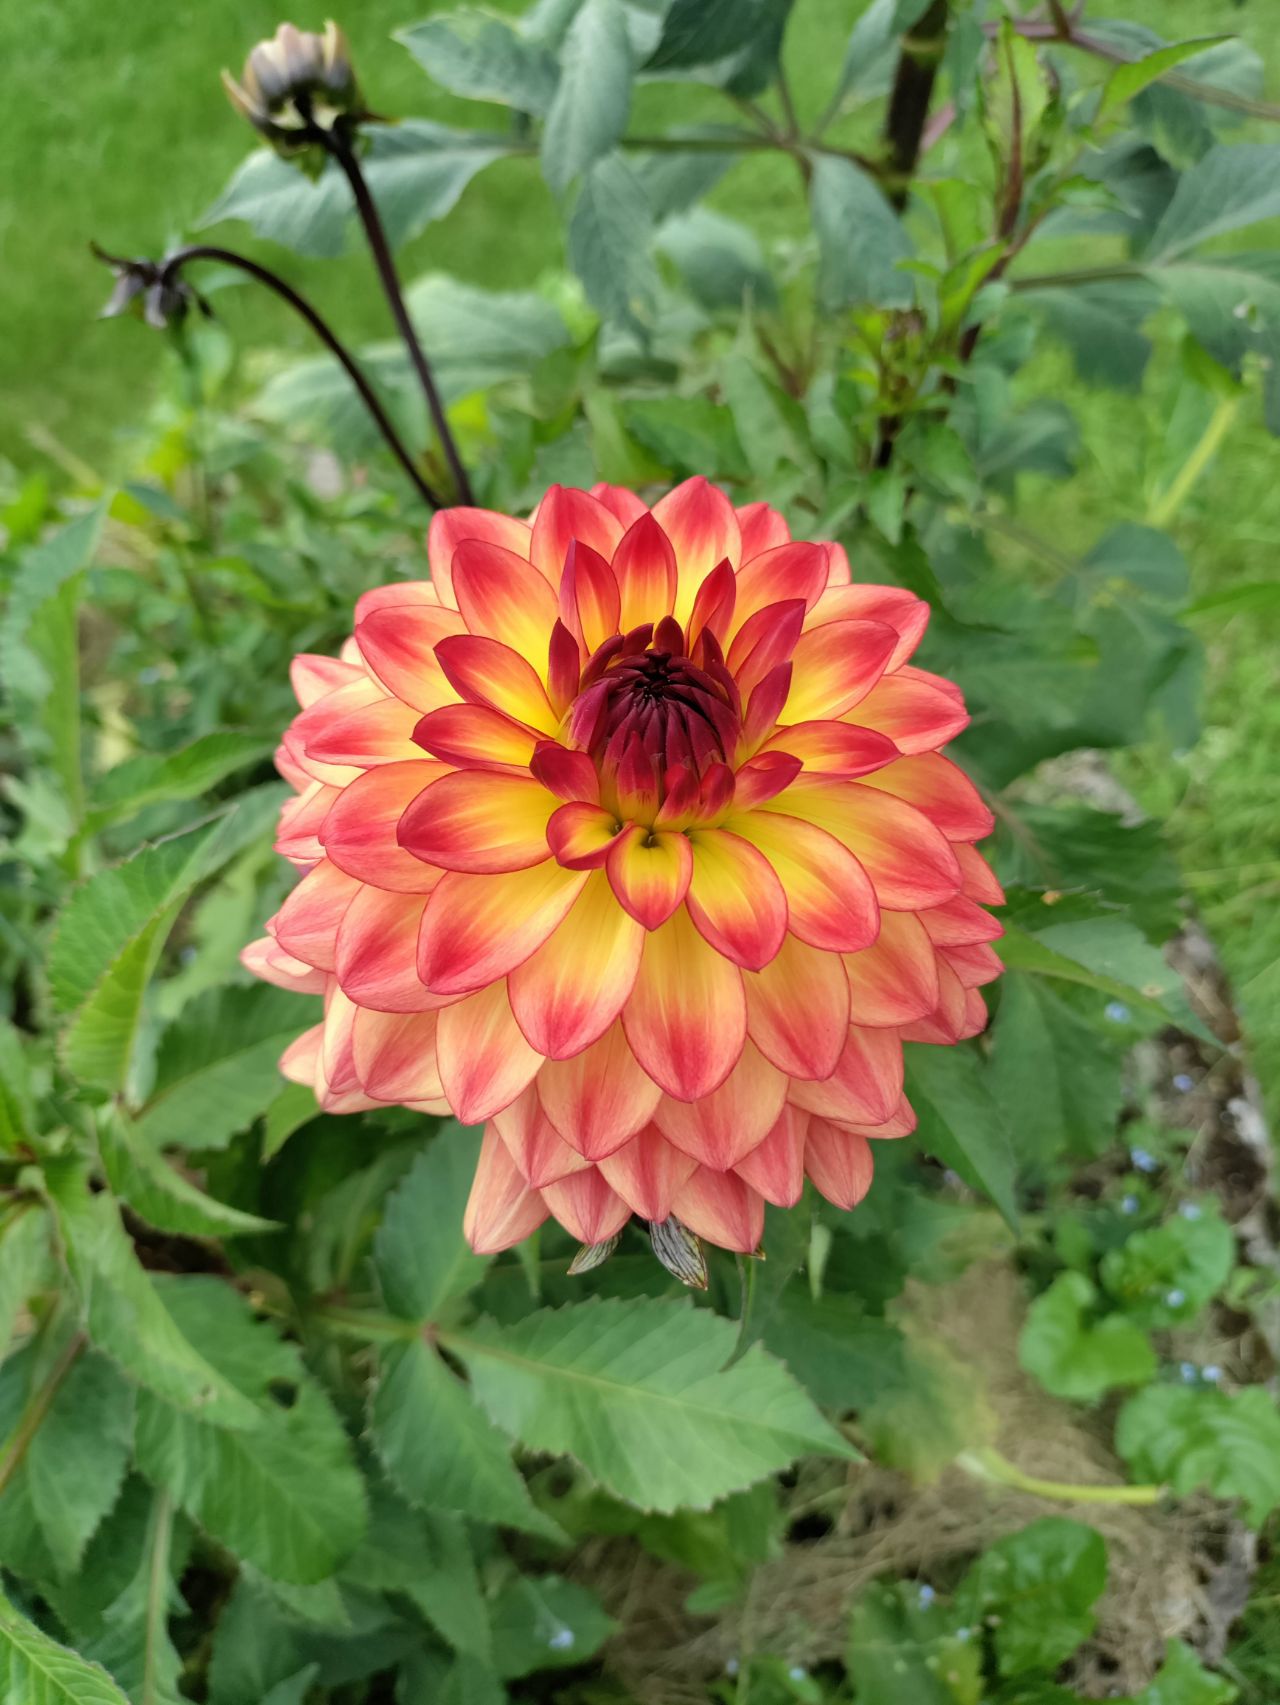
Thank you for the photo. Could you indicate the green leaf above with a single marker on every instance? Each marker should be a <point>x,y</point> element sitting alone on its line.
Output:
<point>719,259</point>
<point>285,1496</point>
<point>17,1111</point>
<point>1126,81</point>
<point>860,239</point>
<point>421,1273</point>
<point>687,434</point>
<point>1052,1075</point>
<point>217,1065</point>
<point>1183,1681</point>
<point>1075,1356</point>
<point>1107,954</point>
<point>593,98</point>
<point>38,1671</point>
<point>185,774</point>
<point>633,1390</point>
<point>415,169</point>
<point>293,1106</point>
<point>159,1194</point>
<point>870,57</point>
<point>476,55</point>
<point>545,1622</point>
<point>610,242</point>
<point>439,1448</point>
<point>1192,1437</point>
<point>1164,1276</point>
<point>459,1680</point>
<point>77,1458</point>
<point>1231,187</point>
<point>26,1265</point>
<point>785,1243</point>
<point>111,930</point>
<point>903,1647</point>
<point>961,1123</point>
<point>1038,1588</point>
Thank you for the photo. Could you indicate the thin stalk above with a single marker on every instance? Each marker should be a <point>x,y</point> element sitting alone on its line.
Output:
<point>329,338</point>
<point>38,1406</point>
<point>1163,509</point>
<point>161,1537</point>
<point>988,1464</point>
<point>918,60</point>
<point>340,147</point>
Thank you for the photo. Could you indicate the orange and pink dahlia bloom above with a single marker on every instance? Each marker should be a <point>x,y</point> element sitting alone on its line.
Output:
<point>628,837</point>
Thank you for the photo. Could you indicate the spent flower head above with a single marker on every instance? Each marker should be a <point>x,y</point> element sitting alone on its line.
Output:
<point>296,86</point>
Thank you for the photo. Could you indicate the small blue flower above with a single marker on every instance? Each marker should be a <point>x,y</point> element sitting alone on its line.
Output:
<point>927,1595</point>
<point>798,1672</point>
<point>731,1666</point>
<point>562,1639</point>
<point>1129,1204</point>
<point>1182,1083</point>
<point>1117,1012</point>
<point>1188,1372</point>
<point>1191,1210</point>
<point>1143,1159</point>
<point>1212,1373</point>
<point>1175,1298</point>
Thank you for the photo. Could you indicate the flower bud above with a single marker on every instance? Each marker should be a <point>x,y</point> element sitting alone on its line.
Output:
<point>147,288</point>
<point>297,85</point>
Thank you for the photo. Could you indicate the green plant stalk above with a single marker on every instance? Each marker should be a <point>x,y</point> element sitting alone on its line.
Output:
<point>38,1406</point>
<point>160,1538</point>
<point>986,1463</point>
<point>1163,510</point>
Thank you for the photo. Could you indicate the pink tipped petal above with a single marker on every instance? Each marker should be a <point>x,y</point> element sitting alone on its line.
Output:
<point>313,677</point>
<point>909,861</point>
<point>775,1167</point>
<point>650,873</point>
<point>477,928</point>
<point>974,963</point>
<point>483,1059</point>
<point>399,641</point>
<point>502,1210</point>
<point>582,836</point>
<point>647,1172</point>
<point>569,775</point>
<point>563,516</point>
<point>298,832</point>
<point>395,1055</point>
<point>568,993</point>
<point>377,953</point>
<point>502,596</point>
<point>942,791</point>
<point>765,641</point>
<point>395,592</point>
<point>703,529</point>
<point>265,959</point>
<point>895,980</point>
<point>599,1099</point>
<point>897,608</point>
<point>359,727</point>
<point>471,735</point>
<point>686,1019</point>
<point>644,566</point>
<point>478,820</point>
<point>306,926</point>
<point>762,529</point>
<point>722,1127</point>
<point>865,1087</point>
<point>736,899</point>
<point>449,527</point>
<point>764,777</point>
<point>831,902</point>
<point>791,571</point>
<point>839,1163</point>
<point>901,1123</point>
<point>798,1010</point>
<point>960,921</point>
<point>534,1144</point>
<point>589,600</point>
<point>834,748</point>
<point>486,672</point>
<point>301,1059</point>
<point>721,1208</point>
<point>337,1051</point>
<point>918,711</point>
<point>586,1207</point>
<point>979,878</point>
<point>360,832</point>
<point>839,573</point>
<point>620,502</point>
<point>946,1023</point>
<point>713,606</point>
<point>835,667</point>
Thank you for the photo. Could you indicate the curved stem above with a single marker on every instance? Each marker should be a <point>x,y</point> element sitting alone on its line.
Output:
<point>988,1464</point>
<point>340,146</point>
<point>329,338</point>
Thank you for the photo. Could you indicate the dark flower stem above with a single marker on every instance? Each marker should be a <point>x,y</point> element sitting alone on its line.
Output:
<point>918,62</point>
<point>329,338</point>
<point>340,146</point>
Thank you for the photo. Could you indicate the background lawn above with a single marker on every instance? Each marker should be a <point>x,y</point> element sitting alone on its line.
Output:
<point>116,127</point>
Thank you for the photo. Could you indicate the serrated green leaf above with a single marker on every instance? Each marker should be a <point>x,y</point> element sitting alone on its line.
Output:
<point>1039,1587</point>
<point>479,56</point>
<point>38,1671</point>
<point>26,1265</point>
<point>545,1622</point>
<point>441,1450</point>
<point>592,101</point>
<point>1126,81</point>
<point>1164,1276</point>
<point>17,1112</point>
<point>77,1458</point>
<point>860,239</point>
<point>420,1270</point>
<point>217,1065</point>
<point>638,1393</point>
<point>1073,1356</point>
<point>185,774</point>
<point>1193,1437</point>
<point>446,1587</point>
<point>610,242</point>
<point>286,1496</point>
<point>1184,1681</point>
<point>903,1646</point>
<point>1055,1079</point>
<point>1231,187</point>
<point>159,1194</point>
<point>961,1123</point>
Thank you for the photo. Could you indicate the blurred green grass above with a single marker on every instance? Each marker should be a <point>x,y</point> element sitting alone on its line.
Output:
<point>115,127</point>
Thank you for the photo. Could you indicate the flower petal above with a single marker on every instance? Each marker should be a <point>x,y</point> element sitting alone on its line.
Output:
<point>918,711</point>
<point>775,1167</point>
<point>589,599</point>
<point>484,1061</point>
<point>979,878</point>
<point>838,1162</point>
<point>644,566</point>
<point>895,980</point>
<point>473,734</point>
<point>599,1099</point>
<point>735,898</point>
<point>835,667</point>
<point>399,641</point>
<point>360,832</point>
<point>484,671</point>
<point>791,571</point>
<point>502,596</point>
<point>567,994</point>
<point>359,725</point>
<point>501,1210</point>
<point>395,1055</point>
<point>686,1019</point>
<point>649,872</point>
<point>581,836</point>
<point>621,502</point>
<point>866,1086</point>
<point>449,527</point>
<point>479,820</point>
<point>798,1009</point>
<point>377,953</point>
<point>313,677</point>
<point>942,791</point>
<point>721,1208</point>
<point>762,529</point>
<point>832,748</point>
<point>646,1172</point>
<point>959,921</point>
<point>909,861</point>
<point>564,515</point>
<point>699,520</point>
<point>831,902</point>
<point>897,608</point>
<point>265,958</point>
<point>586,1207</point>
<point>535,1145</point>
<point>723,1126</point>
<point>306,926</point>
<point>477,928</point>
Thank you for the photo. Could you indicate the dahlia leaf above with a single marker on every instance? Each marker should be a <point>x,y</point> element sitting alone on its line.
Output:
<point>39,1671</point>
<point>1231,187</point>
<point>1039,1586</point>
<point>610,242</point>
<point>843,199</point>
<point>904,1645</point>
<point>476,55</point>
<point>419,1274</point>
<point>1182,1680</point>
<point>961,1123</point>
<point>786,1244</point>
<point>286,1495</point>
<point>639,1394</point>
<point>17,1112</point>
<point>26,1265</point>
<point>1195,1436</point>
<point>1072,1357</point>
<point>1162,1277</point>
<point>545,1622</point>
<point>217,1065</point>
<point>162,1196</point>
<point>593,98</point>
<point>1052,1073</point>
<point>77,1458</point>
<point>456,1680</point>
<point>185,774</point>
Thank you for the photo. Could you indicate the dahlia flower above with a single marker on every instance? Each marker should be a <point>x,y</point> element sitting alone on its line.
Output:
<point>627,837</point>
